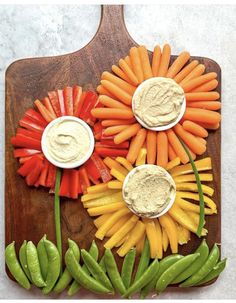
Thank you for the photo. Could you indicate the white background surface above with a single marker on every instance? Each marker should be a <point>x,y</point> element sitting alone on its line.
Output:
<point>203,30</point>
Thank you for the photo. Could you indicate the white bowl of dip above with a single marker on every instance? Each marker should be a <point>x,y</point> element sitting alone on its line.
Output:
<point>173,105</point>
<point>67,142</point>
<point>144,195</point>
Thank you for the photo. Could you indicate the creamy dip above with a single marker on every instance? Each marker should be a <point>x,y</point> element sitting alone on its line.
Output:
<point>67,141</point>
<point>149,190</point>
<point>158,101</point>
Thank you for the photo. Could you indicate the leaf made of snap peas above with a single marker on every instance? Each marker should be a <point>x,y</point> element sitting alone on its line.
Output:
<point>23,259</point>
<point>144,260</point>
<point>43,258</point>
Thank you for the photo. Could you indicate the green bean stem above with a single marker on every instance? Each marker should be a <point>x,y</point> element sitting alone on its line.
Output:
<point>57,213</point>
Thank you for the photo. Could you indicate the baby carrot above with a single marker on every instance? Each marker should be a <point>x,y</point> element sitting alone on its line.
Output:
<point>162,149</point>
<point>201,115</point>
<point>147,70</point>
<point>119,72</point>
<point>185,71</point>
<point>112,103</point>
<point>48,105</point>
<point>165,60</point>
<point>102,91</point>
<point>136,63</point>
<point>156,59</point>
<point>151,147</point>
<point>117,91</point>
<point>205,96</point>
<point>43,111</point>
<point>114,122</point>
<point>192,83</point>
<point>195,129</point>
<point>113,130</point>
<point>196,72</point>
<point>177,146</point>
<point>200,139</point>
<point>128,61</point>
<point>127,133</point>
<point>171,153</point>
<point>130,89</point>
<point>210,105</point>
<point>177,65</point>
<point>135,145</point>
<point>109,113</point>
<point>209,126</point>
<point>128,71</point>
<point>189,139</point>
<point>206,87</point>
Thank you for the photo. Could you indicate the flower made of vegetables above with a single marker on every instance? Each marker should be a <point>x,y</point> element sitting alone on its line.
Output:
<point>117,121</point>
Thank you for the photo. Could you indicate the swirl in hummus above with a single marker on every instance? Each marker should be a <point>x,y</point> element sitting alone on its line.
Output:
<point>158,101</point>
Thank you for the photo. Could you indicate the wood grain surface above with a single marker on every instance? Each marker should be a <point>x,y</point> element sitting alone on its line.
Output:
<point>29,212</point>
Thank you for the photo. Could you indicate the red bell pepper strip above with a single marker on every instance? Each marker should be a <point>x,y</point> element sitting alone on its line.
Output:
<point>68,100</point>
<point>74,183</point>
<point>65,184</point>
<point>111,144</point>
<point>51,177</point>
<point>101,167</point>
<point>91,99</point>
<point>92,171</point>
<point>44,173</point>
<point>31,125</point>
<point>81,103</point>
<point>22,160</point>
<point>53,96</point>
<point>24,152</point>
<point>36,117</point>
<point>27,142</point>
<point>79,185</point>
<point>44,112</point>
<point>61,102</point>
<point>97,130</point>
<point>84,180</point>
<point>77,94</point>
<point>28,166</point>
<point>47,103</point>
<point>111,152</point>
<point>33,176</point>
<point>29,133</point>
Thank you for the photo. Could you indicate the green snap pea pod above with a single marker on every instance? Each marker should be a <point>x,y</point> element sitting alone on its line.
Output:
<point>14,266</point>
<point>174,270</point>
<point>54,266</point>
<point>23,259</point>
<point>205,269</point>
<point>203,250</point>
<point>147,276</point>
<point>95,270</point>
<point>216,271</point>
<point>164,264</point>
<point>66,277</point>
<point>144,260</point>
<point>75,287</point>
<point>81,276</point>
<point>102,264</point>
<point>113,272</point>
<point>33,265</point>
<point>127,267</point>
<point>43,258</point>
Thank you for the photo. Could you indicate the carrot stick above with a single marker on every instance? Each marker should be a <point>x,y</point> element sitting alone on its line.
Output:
<point>78,98</point>
<point>109,113</point>
<point>119,72</point>
<point>196,72</point>
<point>135,145</point>
<point>207,96</point>
<point>192,83</point>
<point>136,63</point>
<point>156,59</point>
<point>114,122</point>
<point>113,130</point>
<point>147,70</point>
<point>201,115</point>
<point>209,126</point>
<point>165,60</point>
<point>210,105</point>
<point>151,147</point>
<point>171,153</point>
<point>103,91</point>
<point>111,103</point>
<point>122,95</point>
<point>128,61</point>
<point>127,133</point>
<point>195,129</point>
<point>162,149</point>
<point>185,71</point>
<point>206,87</point>
<point>178,64</point>
<point>197,147</point>
<point>177,146</point>
<point>43,111</point>
<point>48,105</point>
<point>128,71</point>
<point>130,89</point>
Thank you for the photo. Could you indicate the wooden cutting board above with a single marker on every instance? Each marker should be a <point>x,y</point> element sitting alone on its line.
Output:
<point>29,211</point>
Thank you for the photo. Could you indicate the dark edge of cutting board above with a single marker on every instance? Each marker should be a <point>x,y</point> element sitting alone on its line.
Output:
<point>29,211</point>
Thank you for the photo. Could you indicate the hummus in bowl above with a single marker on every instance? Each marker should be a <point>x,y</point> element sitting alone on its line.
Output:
<point>149,191</point>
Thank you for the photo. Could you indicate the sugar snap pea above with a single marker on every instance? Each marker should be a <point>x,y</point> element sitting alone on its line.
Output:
<point>203,250</point>
<point>96,271</point>
<point>144,260</point>
<point>174,270</point>
<point>33,265</point>
<point>113,272</point>
<point>14,266</point>
<point>23,259</point>
<point>102,263</point>
<point>54,265</point>
<point>127,267</point>
<point>43,258</point>
<point>147,276</point>
<point>82,277</point>
<point>205,269</point>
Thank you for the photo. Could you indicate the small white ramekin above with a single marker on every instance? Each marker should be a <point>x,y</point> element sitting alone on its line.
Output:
<point>62,164</point>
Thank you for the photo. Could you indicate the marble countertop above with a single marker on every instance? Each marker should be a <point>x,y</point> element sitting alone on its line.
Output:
<point>208,31</point>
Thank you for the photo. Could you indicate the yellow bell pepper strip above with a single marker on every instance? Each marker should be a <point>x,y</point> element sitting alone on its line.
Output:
<point>188,206</point>
<point>116,197</point>
<point>101,220</point>
<point>100,210</point>
<point>193,187</point>
<point>140,244</point>
<point>119,176</point>
<point>118,225</point>
<point>88,197</point>
<point>192,178</point>
<point>159,237</point>
<point>165,239</point>
<point>115,184</point>
<point>101,232</point>
<point>173,163</point>
<point>122,241</point>
<point>194,216</point>
<point>121,232</point>
<point>123,161</point>
<point>141,159</point>
<point>152,237</point>
<point>201,165</point>
<point>183,234</point>
<point>98,188</point>
<point>170,227</point>
<point>114,164</point>
<point>134,237</point>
